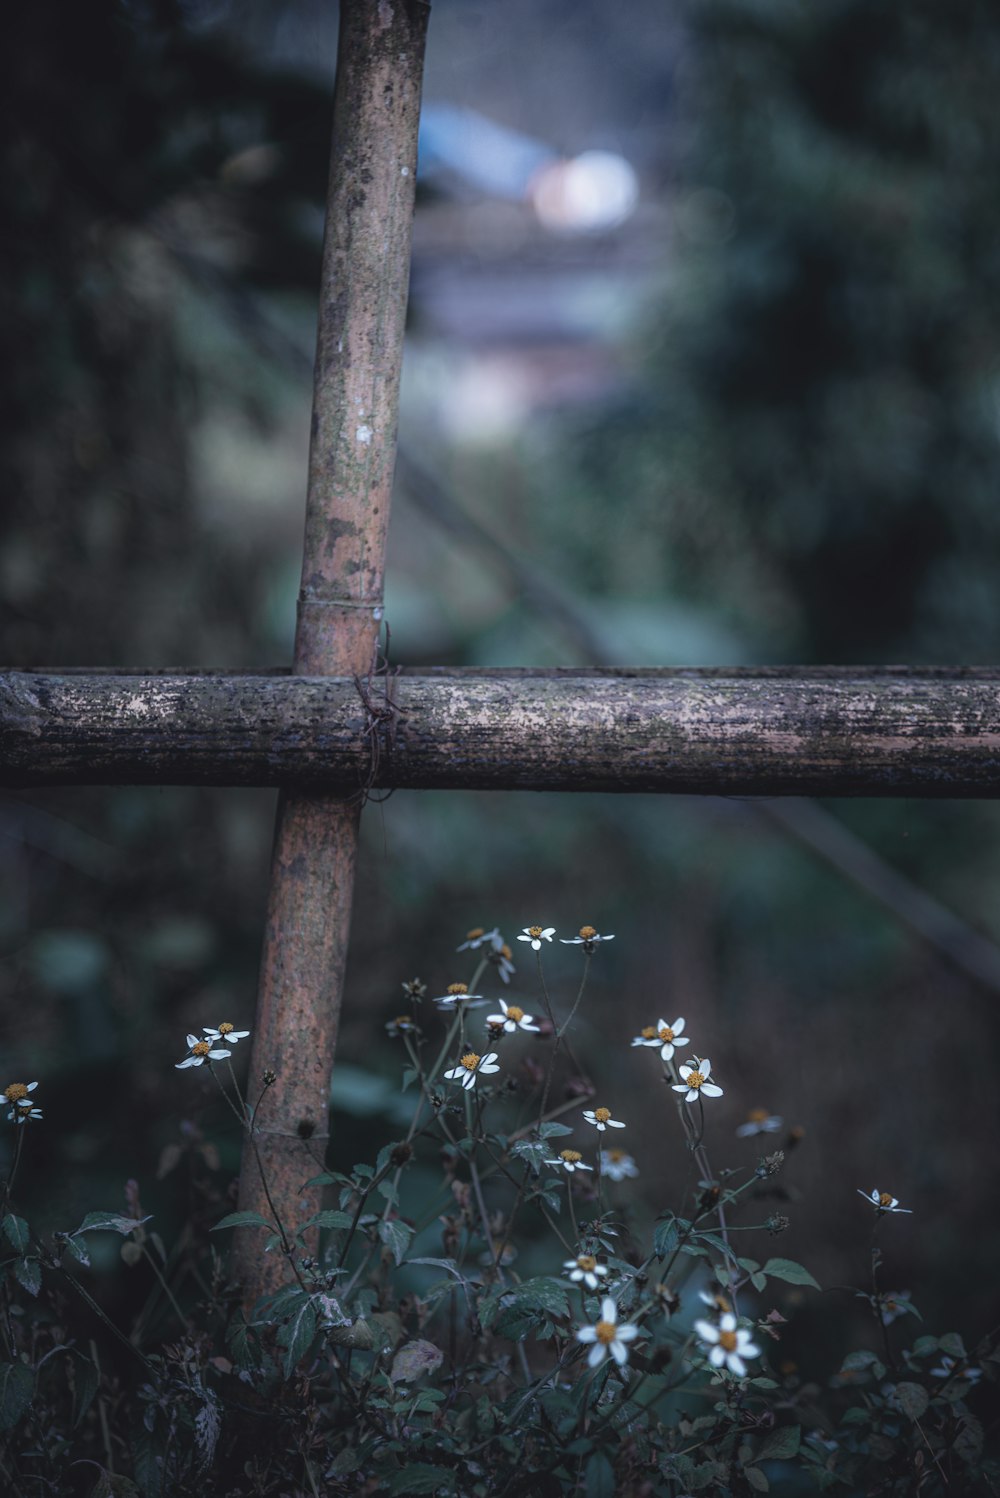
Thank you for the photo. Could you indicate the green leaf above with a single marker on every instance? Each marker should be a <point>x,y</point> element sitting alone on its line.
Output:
<point>780,1444</point>
<point>756,1479</point>
<point>532,1152</point>
<point>147,1460</point>
<point>414,1359</point>
<point>952,1344</point>
<point>297,1333</point>
<point>599,1477</point>
<point>968,1444</point>
<point>396,1235</point>
<point>17,1387</point>
<point>788,1270</point>
<point>417,1477</point>
<point>85,1384</point>
<point>448,1264</point>
<point>330,1219</point>
<point>717,1242</point>
<point>112,1222</point>
<point>912,1399</point>
<point>552,1130</point>
<point>28,1273</point>
<point>515,1312</point>
<point>77,1249</point>
<point>17,1232</point>
<point>666,1236</point>
<point>925,1347</point>
<point>704,1473</point>
<point>855,1361</point>
<point>759,1282</point>
<point>242,1220</point>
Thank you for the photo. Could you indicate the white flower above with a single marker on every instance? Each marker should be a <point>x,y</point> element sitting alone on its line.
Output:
<point>470,1066</point>
<point>478,937</point>
<point>730,1344</point>
<point>512,1019</point>
<point>403,1024</point>
<point>696,1083</point>
<point>586,1268</point>
<point>759,1121</point>
<point>569,1160</point>
<point>882,1201</point>
<point>717,1299</point>
<point>618,1165</point>
<point>15,1094</point>
<point>669,1037</point>
<point>201,1051</point>
<point>500,958</point>
<point>536,935</point>
<point>588,939</point>
<point>458,993</point>
<point>892,1305</point>
<point>607,1336</point>
<point>601,1119</point>
<point>225,1032</point>
<point>955,1368</point>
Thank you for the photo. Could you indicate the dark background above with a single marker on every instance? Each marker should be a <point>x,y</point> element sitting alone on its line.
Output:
<point>756,422</point>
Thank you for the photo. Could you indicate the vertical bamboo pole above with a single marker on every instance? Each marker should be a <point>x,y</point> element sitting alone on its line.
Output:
<point>366,261</point>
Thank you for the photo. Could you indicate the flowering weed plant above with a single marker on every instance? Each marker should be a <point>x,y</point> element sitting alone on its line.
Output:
<point>482,1309</point>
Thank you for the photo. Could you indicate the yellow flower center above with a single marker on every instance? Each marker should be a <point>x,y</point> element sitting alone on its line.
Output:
<point>457,988</point>
<point>649,1033</point>
<point>694,1079</point>
<point>535,931</point>
<point>614,1156</point>
<point>606,1331</point>
<point>514,1013</point>
<point>884,1199</point>
<point>226,1028</point>
<point>602,1114</point>
<point>666,1033</point>
<point>474,934</point>
<point>201,1048</point>
<point>505,951</point>
<point>471,1061</point>
<point>587,1263</point>
<point>572,1157</point>
<point>402,1019</point>
<point>728,1341</point>
<point>588,932</point>
<point>15,1092</point>
<point>757,1115</point>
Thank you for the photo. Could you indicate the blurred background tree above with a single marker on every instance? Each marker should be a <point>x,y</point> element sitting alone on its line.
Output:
<point>755,419</point>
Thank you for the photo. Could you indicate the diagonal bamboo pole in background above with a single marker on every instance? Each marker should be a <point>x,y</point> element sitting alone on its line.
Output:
<point>365,278</point>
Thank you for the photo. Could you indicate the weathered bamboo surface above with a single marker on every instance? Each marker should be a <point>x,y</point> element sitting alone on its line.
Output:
<point>808,731</point>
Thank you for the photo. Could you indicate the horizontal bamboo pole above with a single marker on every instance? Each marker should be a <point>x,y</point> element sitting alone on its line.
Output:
<point>771,732</point>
